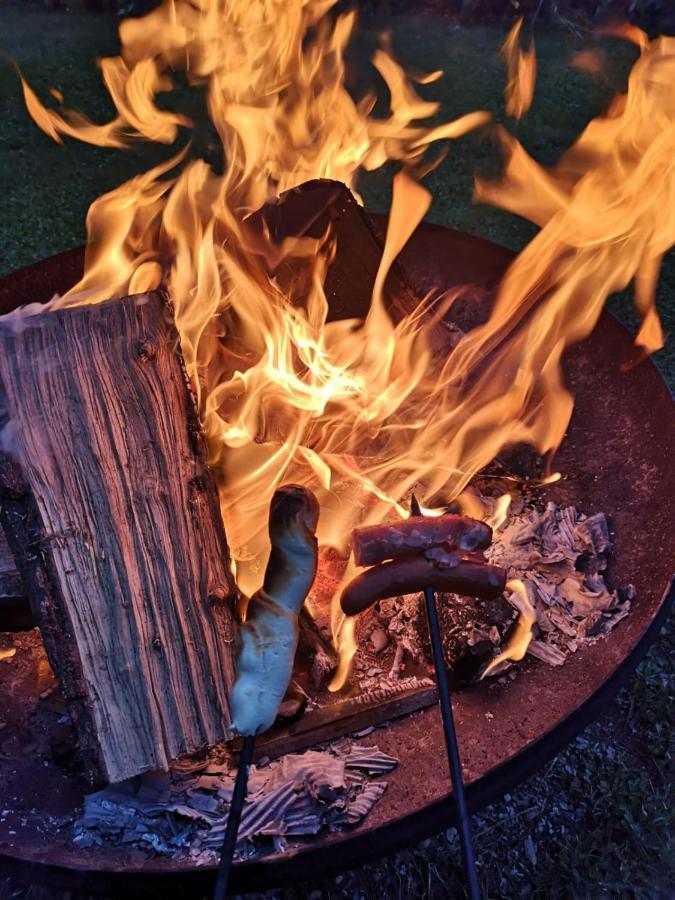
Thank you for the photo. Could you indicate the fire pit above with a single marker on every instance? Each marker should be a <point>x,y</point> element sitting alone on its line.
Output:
<point>616,457</point>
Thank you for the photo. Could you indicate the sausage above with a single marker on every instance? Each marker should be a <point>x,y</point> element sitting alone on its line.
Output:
<point>406,576</point>
<point>269,637</point>
<point>409,537</point>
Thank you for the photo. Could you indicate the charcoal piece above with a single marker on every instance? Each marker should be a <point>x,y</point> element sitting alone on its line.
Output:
<point>15,613</point>
<point>461,619</point>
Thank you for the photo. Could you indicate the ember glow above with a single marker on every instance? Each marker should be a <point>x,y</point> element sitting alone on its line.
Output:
<point>286,396</point>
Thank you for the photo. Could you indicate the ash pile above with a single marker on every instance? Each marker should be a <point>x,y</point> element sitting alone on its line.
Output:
<point>558,553</point>
<point>183,813</point>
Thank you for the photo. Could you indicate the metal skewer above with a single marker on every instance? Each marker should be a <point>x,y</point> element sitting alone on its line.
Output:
<point>451,745</point>
<point>466,840</point>
<point>234,818</point>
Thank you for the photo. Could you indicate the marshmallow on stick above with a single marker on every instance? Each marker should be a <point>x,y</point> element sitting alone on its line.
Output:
<point>269,637</point>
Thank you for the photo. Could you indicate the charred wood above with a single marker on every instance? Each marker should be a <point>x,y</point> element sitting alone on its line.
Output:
<point>315,651</point>
<point>15,614</point>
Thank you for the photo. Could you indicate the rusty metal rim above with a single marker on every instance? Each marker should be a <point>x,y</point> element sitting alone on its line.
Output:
<point>366,843</point>
<point>354,849</point>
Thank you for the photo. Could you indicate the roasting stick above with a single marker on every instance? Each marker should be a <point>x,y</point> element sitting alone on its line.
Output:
<point>268,640</point>
<point>234,818</point>
<point>452,747</point>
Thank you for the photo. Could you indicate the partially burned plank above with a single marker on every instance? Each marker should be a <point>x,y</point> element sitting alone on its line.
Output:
<point>316,208</point>
<point>344,717</point>
<point>113,519</point>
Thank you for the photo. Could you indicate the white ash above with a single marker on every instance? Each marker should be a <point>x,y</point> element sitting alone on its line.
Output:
<point>562,556</point>
<point>560,553</point>
<point>399,616</point>
<point>184,812</point>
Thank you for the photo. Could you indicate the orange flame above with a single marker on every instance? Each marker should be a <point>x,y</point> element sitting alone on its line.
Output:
<point>603,223</point>
<point>522,633</point>
<point>283,394</point>
<point>522,73</point>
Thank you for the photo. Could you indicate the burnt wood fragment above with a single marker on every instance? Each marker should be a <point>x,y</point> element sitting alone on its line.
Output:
<point>348,716</point>
<point>15,614</point>
<point>320,207</point>
<point>315,651</point>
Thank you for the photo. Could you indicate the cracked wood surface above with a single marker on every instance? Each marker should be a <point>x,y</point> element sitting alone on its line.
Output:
<point>113,518</point>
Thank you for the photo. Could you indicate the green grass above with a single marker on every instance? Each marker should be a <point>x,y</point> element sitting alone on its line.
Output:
<point>597,822</point>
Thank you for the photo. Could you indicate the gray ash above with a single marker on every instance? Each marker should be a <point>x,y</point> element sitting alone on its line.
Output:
<point>472,631</point>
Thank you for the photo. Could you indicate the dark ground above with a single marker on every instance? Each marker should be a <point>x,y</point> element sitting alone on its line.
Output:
<point>598,821</point>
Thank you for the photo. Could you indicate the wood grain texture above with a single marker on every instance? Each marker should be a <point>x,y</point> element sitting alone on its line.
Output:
<point>113,518</point>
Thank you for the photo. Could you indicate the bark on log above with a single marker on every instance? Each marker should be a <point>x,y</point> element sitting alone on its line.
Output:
<point>113,518</point>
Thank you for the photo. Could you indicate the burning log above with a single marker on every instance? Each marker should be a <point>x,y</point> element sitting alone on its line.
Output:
<point>407,576</point>
<point>324,206</point>
<point>309,211</point>
<point>113,519</point>
<point>409,537</point>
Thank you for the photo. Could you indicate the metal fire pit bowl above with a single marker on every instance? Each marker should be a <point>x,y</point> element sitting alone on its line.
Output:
<point>617,457</point>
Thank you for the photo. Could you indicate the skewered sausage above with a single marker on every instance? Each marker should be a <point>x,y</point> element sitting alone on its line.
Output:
<point>406,576</point>
<point>410,537</point>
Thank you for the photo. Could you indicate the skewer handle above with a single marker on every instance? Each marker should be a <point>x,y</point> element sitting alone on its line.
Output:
<point>450,734</point>
<point>233,819</point>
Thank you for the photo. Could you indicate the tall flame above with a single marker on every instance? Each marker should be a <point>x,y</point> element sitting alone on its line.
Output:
<point>520,639</point>
<point>282,393</point>
<point>522,73</point>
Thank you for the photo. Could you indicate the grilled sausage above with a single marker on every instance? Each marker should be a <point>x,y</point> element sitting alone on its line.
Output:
<point>409,537</point>
<point>406,576</point>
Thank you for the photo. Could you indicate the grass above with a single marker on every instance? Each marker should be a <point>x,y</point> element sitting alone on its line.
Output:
<point>597,822</point>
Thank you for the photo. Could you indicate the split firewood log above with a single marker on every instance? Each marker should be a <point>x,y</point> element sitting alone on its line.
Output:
<point>113,519</point>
